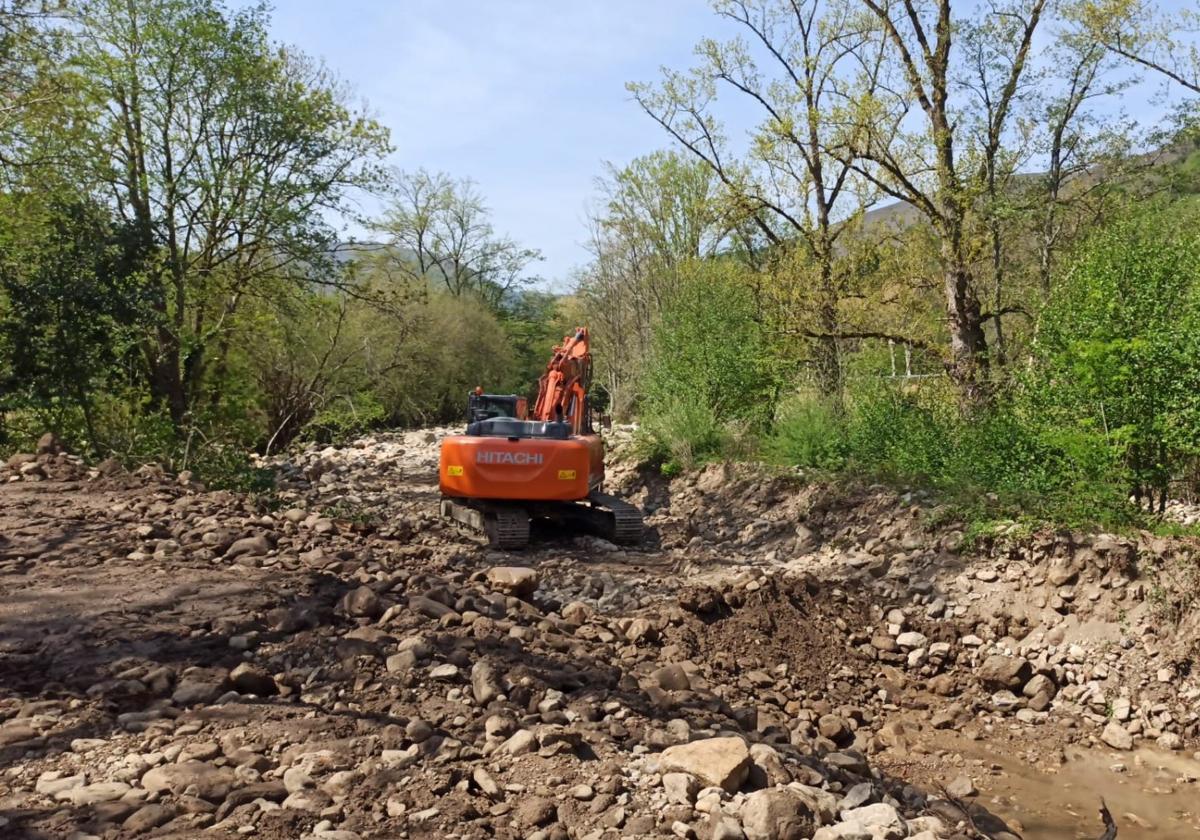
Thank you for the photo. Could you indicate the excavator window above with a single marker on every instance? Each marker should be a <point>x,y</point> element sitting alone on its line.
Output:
<point>488,406</point>
<point>509,428</point>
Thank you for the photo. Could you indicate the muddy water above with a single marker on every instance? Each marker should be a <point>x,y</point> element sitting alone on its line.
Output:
<point>1157,796</point>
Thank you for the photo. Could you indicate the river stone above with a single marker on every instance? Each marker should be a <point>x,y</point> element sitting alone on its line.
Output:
<point>95,793</point>
<point>249,679</point>
<point>248,545</point>
<point>362,603</point>
<point>515,580</point>
<point>720,762</point>
<point>776,814</point>
<point>680,788</point>
<point>671,678</point>
<point>485,682</point>
<point>1116,737</point>
<point>212,783</point>
<point>148,817</point>
<point>1000,672</point>
<point>879,820</point>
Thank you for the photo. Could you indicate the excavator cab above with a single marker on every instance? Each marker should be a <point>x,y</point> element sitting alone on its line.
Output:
<point>481,406</point>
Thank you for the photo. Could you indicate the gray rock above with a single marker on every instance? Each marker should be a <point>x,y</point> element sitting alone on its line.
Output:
<point>961,787</point>
<point>912,639</point>
<point>211,783</point>
<point>776,814</point>
<point>879,820</point>
<point>485,682</point>
<point>148,817</point>
<point>362,603</point>
<point>248,546</point>
<point>671,678</point>
<point>1000,672</point>
<point>249,679</point>
<point>681,788</point>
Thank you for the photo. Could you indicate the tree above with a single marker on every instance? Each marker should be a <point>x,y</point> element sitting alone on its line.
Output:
<point>439,230</point>
<point>35,93</point>
<point>928,164</point>
<point>799,176</point>
<point>67,274</point>
<point>224,154</point>
<point>657,216</point>
<point>1075,145</point>
<point>1136,30</point>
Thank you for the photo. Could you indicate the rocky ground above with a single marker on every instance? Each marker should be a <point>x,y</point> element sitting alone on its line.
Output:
<point>776,661</point>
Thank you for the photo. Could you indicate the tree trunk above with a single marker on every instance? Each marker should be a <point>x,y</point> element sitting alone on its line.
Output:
<point>968,343</point>
<point>827,355</point>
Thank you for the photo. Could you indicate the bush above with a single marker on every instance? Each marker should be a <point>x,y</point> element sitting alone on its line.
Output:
<point>682,434</point>
<point>808,433</point>
<point>709,378</point>
<point>1002,461</point>
<point>1117,355</point>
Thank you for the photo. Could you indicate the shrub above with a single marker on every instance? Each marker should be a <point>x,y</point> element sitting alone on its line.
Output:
<point>681,434</point>
<point>709,377</point>
<point>808,433</point>
<point>1118,350</point>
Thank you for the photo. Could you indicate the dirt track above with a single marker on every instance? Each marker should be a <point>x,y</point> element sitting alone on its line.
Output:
<point>342,665</point>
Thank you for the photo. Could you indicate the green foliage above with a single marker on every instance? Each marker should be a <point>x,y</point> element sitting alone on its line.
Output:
<point>344,417</point>
<point>682,433</point>
<point>808,433</point>
<point>1001,461</point>
<point>1118,352</point>
<point>710,367</point>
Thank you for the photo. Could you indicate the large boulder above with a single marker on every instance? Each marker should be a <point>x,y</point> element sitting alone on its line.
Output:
<point>719,762</point>
<point>777,814</point>
<point>1000,672</point>
<point>514,580</point>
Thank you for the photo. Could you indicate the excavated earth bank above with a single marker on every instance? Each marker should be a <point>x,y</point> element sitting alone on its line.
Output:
<point>776,661</point>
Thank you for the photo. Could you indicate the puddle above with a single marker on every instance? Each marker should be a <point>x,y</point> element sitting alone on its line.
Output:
<point>1157,797</point>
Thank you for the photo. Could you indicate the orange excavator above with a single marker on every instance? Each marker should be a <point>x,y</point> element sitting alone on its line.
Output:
<point>510,468</point>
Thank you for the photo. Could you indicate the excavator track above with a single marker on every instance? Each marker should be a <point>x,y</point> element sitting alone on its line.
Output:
<point>624,521</point>
<point>507,527</point>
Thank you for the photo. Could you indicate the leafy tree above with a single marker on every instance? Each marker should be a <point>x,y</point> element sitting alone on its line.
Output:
<point>225,155</point>
<point>1118,351</point>
<point>1147,36</point>
<point>797,183</point>
<point>70,281</point>
<point>439,230</point>
<point>928,164</point>
<point>710,368</point>
<point>657,216</point>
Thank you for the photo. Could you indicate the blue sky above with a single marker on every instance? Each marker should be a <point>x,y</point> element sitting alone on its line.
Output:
<point>525,97</point>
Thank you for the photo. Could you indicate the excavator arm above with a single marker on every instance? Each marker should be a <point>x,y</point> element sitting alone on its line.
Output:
<point>563,388</point>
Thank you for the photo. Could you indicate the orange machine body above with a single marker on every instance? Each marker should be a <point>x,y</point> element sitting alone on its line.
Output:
<point>526,469</point>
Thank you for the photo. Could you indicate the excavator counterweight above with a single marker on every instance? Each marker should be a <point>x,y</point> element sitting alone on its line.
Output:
<point>509,468</point>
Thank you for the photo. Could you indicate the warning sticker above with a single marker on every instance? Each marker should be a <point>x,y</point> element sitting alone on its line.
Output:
<point>454,470</point>
<point>566,475</point>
